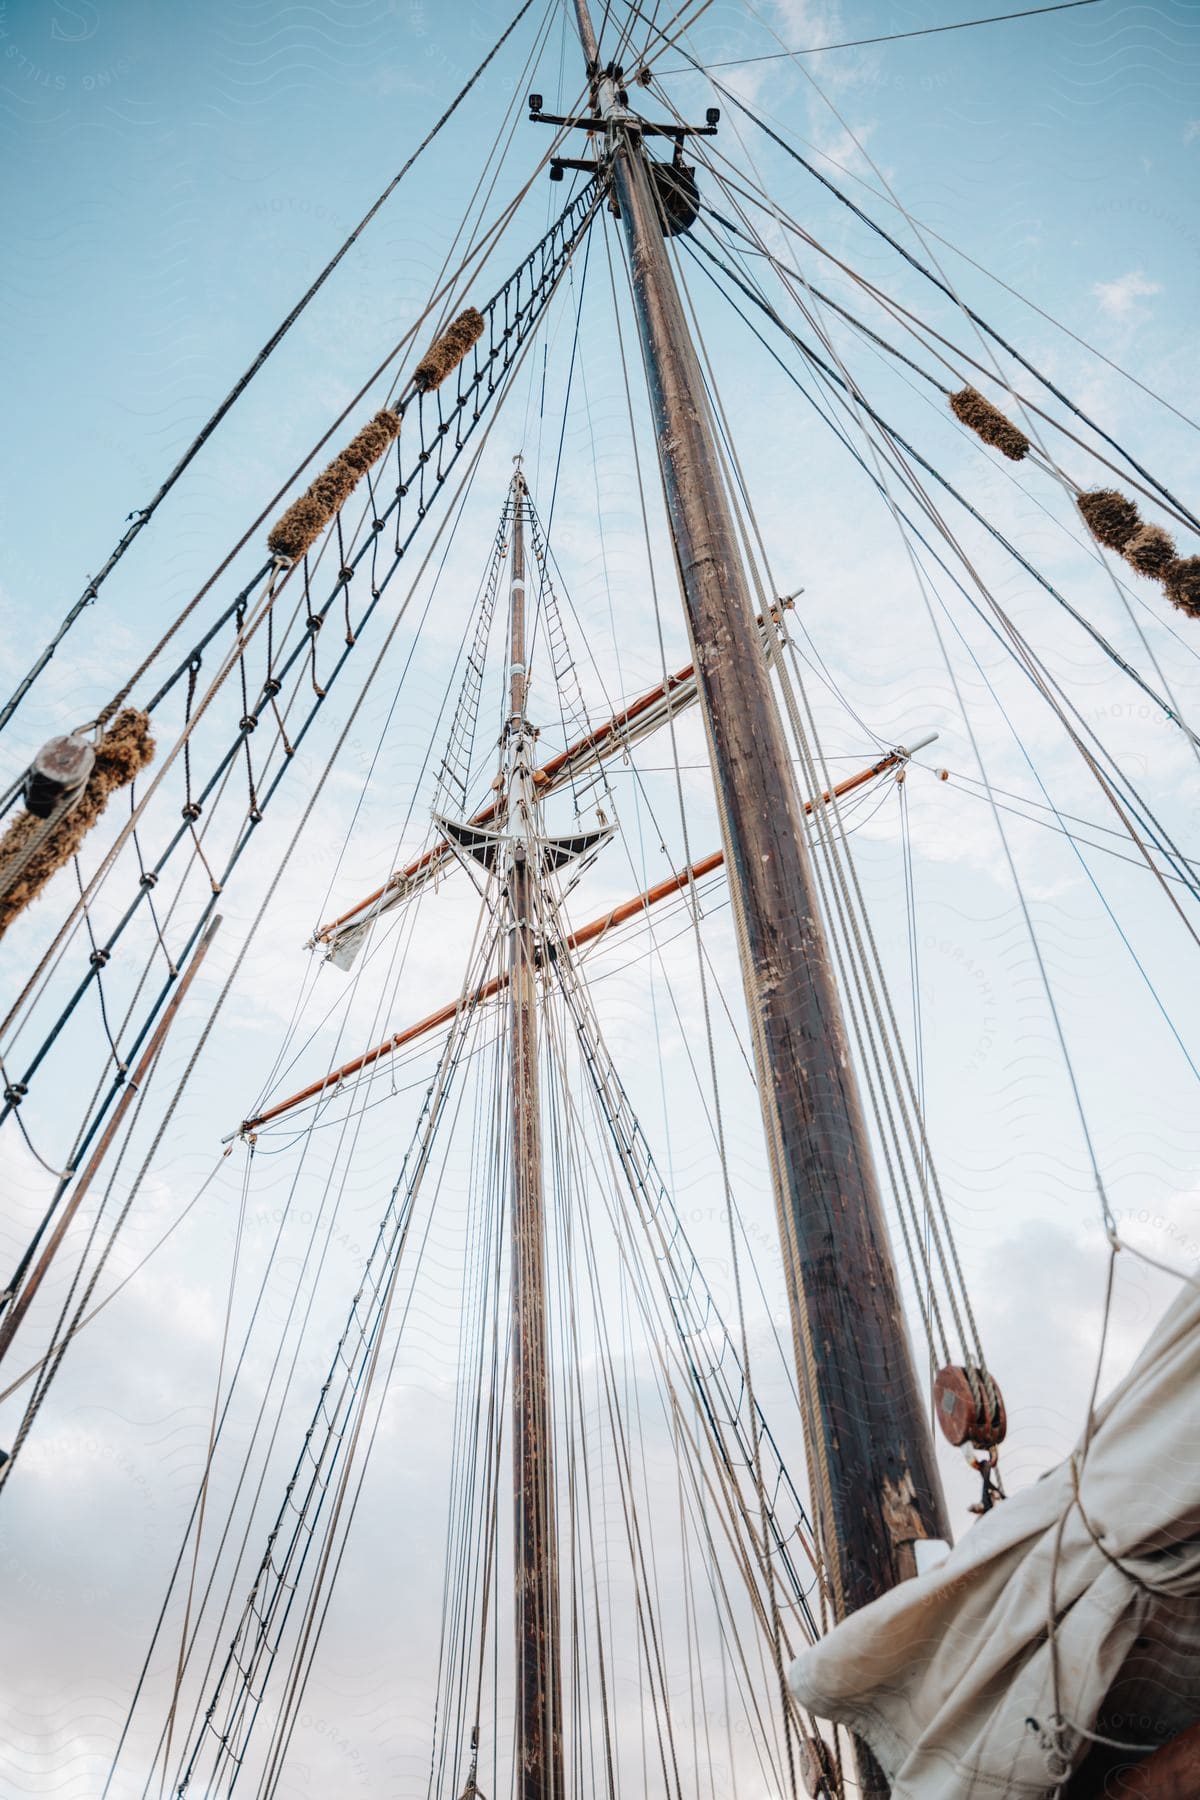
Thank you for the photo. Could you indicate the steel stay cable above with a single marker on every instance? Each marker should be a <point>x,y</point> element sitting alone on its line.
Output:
<point>851,911</point>
<point>391,1238</point>
<point>731,1210</point>
<point>314,796</point>
<point>859,401</point>
<point>476,256</point>
<point>892,37</point>
<point>279,1068</point>
<point>1031,933</point>
<point>898,1040</point>
<point>354,1119</point>
<point>265,797</point>
<point>693,897</point>
<point>909,321</point>
<point>1182,875</point>
<point>734,1508</point>
<point>916,229</point>
<point>351,1120</point>
<point>141,517</point>
<point>1157,832</point>
<point>308,1133</point>
<point>976,318</point>
<point>841,910</point>
<point>655,1210</point>
<point>1025,655</point>
<point>941,279</point>
<point>299,1677</point>
<point>46,1378</point>
<point>826,836</point>
<point>885,195</point>
<point>213,1426</point>
<point>310,1129</point>
<point>649,1637</point>
<point>28,1374</point>
<point>312,1627</point>
<point>232,659</point>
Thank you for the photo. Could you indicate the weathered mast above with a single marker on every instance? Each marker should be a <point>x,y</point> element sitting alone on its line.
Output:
<point>875,1480</point>
<point>538,1759</point>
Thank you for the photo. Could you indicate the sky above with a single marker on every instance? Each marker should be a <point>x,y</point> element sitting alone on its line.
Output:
<point>172,179</point>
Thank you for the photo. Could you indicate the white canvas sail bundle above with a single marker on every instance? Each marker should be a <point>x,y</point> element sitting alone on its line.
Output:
<point>949,1677</point>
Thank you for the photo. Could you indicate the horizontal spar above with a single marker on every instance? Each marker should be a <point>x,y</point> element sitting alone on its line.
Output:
<point>587,934</point>
<point>627,727</point>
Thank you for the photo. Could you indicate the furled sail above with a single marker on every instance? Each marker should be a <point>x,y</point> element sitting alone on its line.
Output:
<point>951,1677</point>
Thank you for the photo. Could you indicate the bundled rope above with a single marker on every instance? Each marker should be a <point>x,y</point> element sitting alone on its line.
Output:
<point>1150,551</point>
<point>306,518</point>
<point>1114,521</point>
<point>446,352</point>
<point>34,848</point>
<point>989,423</point>
<point>1181,579</point>
<point>1112,518</point>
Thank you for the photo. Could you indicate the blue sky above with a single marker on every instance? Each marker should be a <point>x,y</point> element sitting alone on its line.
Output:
<point>172,178</point>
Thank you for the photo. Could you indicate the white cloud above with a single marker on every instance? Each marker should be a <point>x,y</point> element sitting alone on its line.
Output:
<point>1191,131</point>
<point>1117,298</point>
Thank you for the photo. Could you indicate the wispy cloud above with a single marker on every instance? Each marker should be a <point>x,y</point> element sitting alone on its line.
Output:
<point>1118,298</point>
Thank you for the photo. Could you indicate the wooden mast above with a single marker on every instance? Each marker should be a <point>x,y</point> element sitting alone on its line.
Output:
<point>539,1765</point>
<point>875,1481</point>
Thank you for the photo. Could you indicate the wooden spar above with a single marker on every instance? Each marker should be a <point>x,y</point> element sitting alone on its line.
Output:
<point>875,1481</point>
<point>542,776</point>
<point>129,1094</point>
<point>604,740</point>
<point>539,1758</point>
<point>578,940</point>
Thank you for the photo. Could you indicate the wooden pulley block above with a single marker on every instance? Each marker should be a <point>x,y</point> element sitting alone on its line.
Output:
<point>963,1418</point>
<point>817,1768</point>
<point>57,773</point>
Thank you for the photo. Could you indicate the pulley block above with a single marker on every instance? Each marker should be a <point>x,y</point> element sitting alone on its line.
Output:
<point>817,1769</point>
<point>969,1407</point>
<point>58,774</point>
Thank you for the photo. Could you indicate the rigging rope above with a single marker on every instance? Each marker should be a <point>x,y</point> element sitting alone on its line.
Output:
<point>543,268</point>
<point>143,515</point>
<point>938,282</point>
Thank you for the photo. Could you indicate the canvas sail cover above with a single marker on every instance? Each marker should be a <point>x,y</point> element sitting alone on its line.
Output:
<point>948,1677</point>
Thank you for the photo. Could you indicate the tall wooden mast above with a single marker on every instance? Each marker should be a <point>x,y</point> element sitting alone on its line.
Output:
<point>539,1766</point>
<point>875,1480</point>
